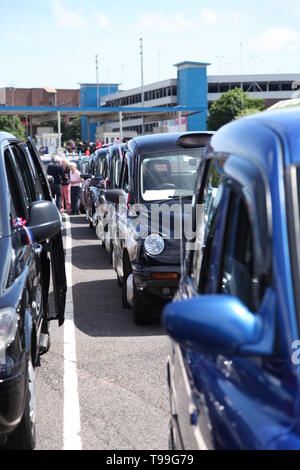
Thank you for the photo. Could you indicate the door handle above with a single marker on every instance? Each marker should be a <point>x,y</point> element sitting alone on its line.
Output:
<point>37,248</point>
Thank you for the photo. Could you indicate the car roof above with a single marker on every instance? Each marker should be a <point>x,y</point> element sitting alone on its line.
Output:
<point>159,142</point>
<point>100,152</point>
<point>255,135</point>
<point>7,136</point>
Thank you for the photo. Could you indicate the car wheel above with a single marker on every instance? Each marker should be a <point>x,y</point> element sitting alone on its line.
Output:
<point>141,310</point>
<point>127,272</point>
<point>24,436</point>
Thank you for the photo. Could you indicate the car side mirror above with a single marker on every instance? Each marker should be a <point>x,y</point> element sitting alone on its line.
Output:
<point>97,183</point>
<point>116,196</point>
<point>86,176</point>
<point>219,324</point>
<point>44,220</point>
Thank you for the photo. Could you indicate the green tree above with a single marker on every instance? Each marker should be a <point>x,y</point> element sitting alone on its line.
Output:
<point>73,131</point>
<point>69,131</point>
<point>13,125</point>
<point>231,105</point>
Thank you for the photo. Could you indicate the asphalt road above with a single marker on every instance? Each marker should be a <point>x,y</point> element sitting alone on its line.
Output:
<point>121,368</point>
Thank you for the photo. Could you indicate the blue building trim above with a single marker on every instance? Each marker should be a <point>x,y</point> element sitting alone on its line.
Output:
<point>192,91</point>
<point>88,98</point>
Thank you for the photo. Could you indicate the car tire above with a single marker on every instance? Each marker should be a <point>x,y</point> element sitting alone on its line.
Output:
<point>24,436</point>
<point>119,281</point>
<point>127,272</point>
<point>141,311</point>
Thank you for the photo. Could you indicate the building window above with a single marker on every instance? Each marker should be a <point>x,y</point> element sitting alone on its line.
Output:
<point>224,87</point>
<point>274,86</point>
<point>286,86</point>
<point>213,88</point>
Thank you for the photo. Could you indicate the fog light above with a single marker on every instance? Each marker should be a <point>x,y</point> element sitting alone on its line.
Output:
<point>166,291</point>
<point>165,276</point>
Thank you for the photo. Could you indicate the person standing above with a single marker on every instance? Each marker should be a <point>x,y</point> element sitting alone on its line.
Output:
<point>75,180</point>
<point>55,170</point>
<point>66,188</point>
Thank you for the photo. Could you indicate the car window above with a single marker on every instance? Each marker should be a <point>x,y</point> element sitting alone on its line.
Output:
<point>117,171</point>
<point>124,180</point>
<point>37,182</point>
<point>237,263</point>
<point>104,169</point>
<point>24,169</point>
<point>16,213</point>
<point>16,186</point>
<point>204,213</point>
<point>167,175</point>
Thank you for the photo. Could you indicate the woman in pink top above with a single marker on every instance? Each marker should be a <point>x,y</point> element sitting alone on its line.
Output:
<point>75,181</point>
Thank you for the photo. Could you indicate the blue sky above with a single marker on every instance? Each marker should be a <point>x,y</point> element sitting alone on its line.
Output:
<point>54,42</point>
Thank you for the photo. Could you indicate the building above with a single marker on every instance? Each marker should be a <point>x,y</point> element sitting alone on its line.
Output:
<point>47,96</point>
<point>190,95</point>
<point>188,90</point>
<point>38,97</point>
<point>91,96</point>
<point>192,87</point>
<point>272,88</point>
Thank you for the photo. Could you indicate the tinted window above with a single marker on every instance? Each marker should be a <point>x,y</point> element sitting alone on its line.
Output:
<point>207,201</point>
<point>24,170</point>
<point>16,187</point>
<point>238,259</point>
<point>169,175</point>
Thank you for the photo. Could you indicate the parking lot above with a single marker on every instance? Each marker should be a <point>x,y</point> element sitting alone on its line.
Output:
<point>115,394</point>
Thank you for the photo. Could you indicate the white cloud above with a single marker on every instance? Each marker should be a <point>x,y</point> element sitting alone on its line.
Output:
<point>176,22</point>
<point>68,18</point>
<point>208,17</point>
<point>276,40</point>
<point>102,21</point>
<point>159,23</point>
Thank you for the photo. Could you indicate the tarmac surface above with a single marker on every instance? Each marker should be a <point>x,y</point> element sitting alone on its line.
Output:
<point>121,368</point>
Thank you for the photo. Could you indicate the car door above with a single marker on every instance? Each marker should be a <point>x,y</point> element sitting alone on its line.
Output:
<point>188,408</point>
<point>26,254</point>
<point>240,402</point>
<point>121,219</point>
<point>55,245</point>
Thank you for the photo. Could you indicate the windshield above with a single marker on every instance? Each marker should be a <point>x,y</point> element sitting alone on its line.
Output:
<point>167,176</point>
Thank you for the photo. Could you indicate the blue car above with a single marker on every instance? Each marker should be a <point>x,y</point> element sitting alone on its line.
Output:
<point>234,373</point>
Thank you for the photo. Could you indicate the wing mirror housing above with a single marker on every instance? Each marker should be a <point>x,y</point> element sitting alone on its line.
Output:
<point>97,183</point>
<point>222,325</point>
<point>86,176</point>
<point>44,221</point>
<point>116,196</point>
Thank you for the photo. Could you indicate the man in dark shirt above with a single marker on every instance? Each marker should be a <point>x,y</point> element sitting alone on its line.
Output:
<point>55,170</point>
<point>66,188</point>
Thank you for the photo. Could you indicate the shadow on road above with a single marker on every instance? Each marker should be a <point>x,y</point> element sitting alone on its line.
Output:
<point>88,257</point>
<point>97,301</point>
<point>98,312</point>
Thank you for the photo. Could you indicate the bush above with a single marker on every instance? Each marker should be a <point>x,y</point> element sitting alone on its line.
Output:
<point>231,105</point>
<point>13,125</point>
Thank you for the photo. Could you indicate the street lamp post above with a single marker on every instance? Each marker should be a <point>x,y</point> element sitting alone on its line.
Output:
<point>220,57</point>
<point>142,81</point>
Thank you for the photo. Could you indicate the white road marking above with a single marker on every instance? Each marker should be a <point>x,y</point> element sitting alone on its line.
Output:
<point>72,439</point>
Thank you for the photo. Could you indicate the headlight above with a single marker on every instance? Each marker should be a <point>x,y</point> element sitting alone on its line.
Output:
<point>8,326</point>
<point>154,245</point>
